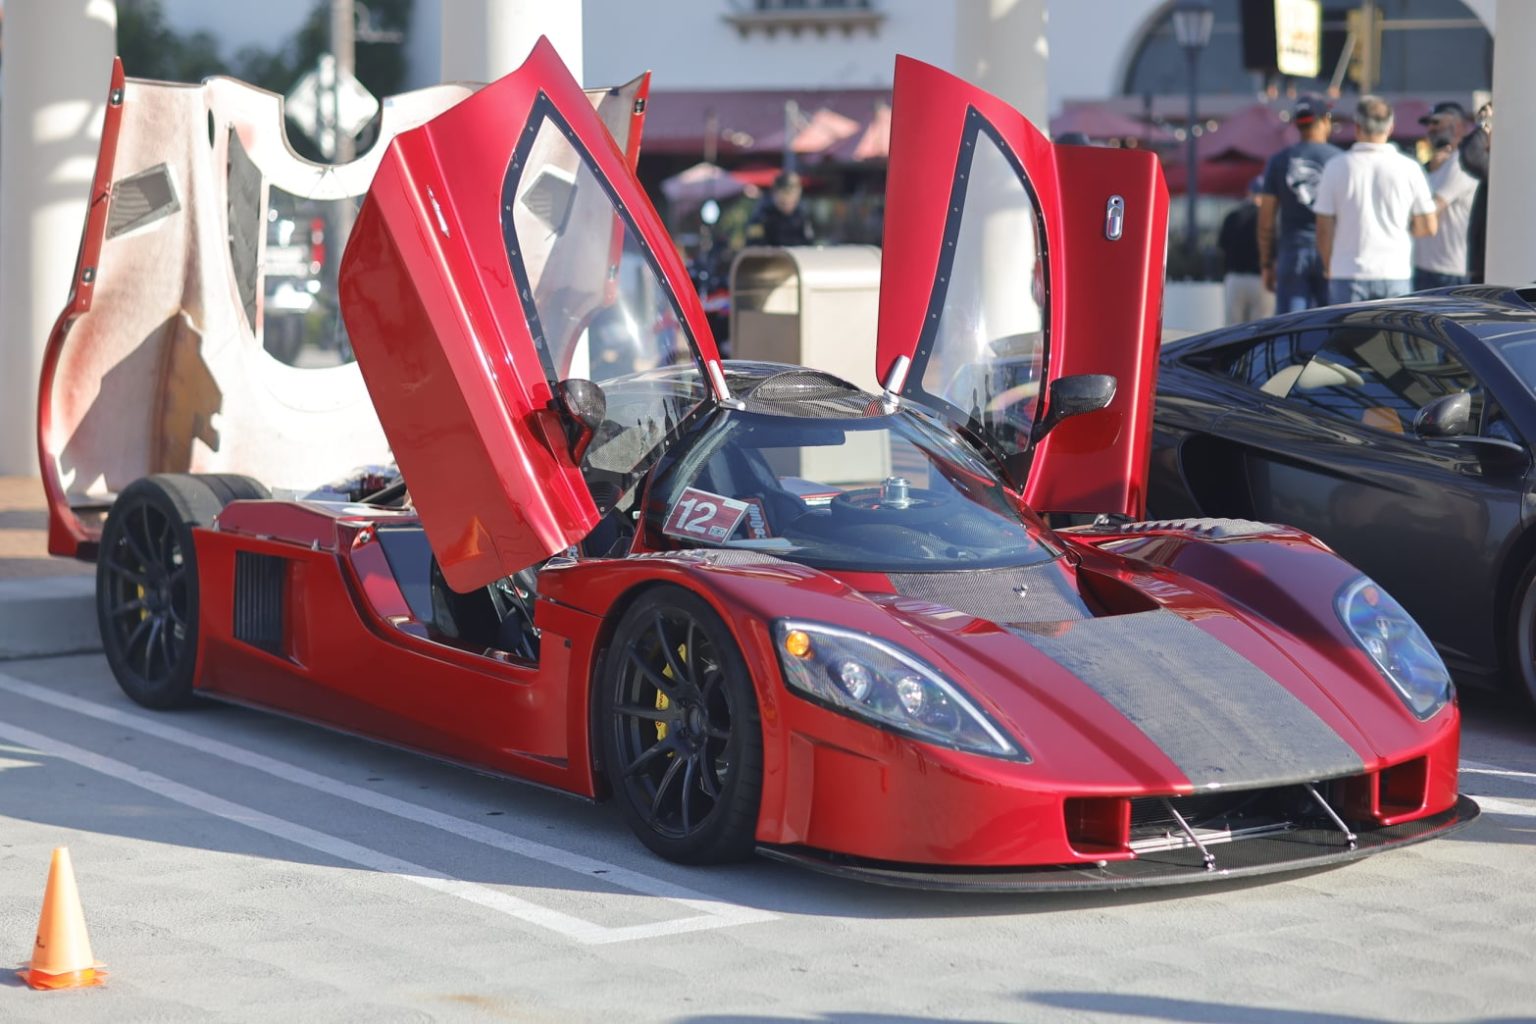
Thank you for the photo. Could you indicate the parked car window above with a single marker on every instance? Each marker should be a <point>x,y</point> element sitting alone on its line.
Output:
<point>985,355</point>
<point>1269,364</point>
<point>1382,378</point>
<point>599,309</point>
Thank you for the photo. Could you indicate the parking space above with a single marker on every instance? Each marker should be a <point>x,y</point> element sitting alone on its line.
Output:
<point>238,866</point>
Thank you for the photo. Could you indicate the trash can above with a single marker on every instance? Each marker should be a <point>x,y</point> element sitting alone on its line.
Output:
<point>814,306</point>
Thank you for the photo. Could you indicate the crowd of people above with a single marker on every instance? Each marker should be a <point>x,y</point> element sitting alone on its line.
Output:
<point>1325,225</point>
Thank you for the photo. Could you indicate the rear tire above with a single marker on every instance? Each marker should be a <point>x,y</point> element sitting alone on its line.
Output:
<point>680,732</point>
<point>1522,636</point>
<point>147,591</point>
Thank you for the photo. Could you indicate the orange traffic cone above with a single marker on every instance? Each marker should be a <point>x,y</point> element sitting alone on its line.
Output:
<point>62,956</point>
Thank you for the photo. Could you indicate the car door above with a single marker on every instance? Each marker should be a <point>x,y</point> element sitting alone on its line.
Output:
<point>1427,518</point>
<point>986,224</point>
<point>503,248</point>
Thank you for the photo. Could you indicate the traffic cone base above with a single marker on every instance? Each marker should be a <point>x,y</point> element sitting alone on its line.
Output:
<point>69,979</point>
<point>61,957</point>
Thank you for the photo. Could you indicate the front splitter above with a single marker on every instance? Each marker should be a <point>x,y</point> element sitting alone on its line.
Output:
<point>1297,850</point>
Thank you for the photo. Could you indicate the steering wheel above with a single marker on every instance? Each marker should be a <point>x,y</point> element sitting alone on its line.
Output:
<point>869,505</point>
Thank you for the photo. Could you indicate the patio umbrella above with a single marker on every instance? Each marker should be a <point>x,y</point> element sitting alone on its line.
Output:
<point>701,182</point>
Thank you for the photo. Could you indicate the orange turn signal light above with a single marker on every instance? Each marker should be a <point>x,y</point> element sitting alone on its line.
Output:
<point>798,643</point>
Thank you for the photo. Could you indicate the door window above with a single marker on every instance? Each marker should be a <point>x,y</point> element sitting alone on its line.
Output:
<point>1382,378</point>
<point>984,349</point>
<point>1269,364</point>
<point>596,304</point>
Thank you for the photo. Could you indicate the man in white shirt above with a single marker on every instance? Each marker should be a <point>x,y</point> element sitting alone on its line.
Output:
<point>1440,259</point>
<point>1372,202</point>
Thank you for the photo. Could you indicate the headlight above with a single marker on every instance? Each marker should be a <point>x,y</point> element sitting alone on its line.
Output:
<point>1397,645</point>
<point>877,681</point>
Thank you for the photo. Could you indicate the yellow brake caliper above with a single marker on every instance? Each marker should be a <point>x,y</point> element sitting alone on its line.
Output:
<point>661,699</point>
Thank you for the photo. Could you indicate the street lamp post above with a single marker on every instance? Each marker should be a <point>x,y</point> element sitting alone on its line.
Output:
<point>1192,21</point>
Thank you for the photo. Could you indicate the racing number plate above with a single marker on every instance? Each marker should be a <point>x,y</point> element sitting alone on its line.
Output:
<point>700,515</point>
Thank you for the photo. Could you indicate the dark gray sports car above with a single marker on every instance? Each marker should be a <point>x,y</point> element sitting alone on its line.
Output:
<point>1399,432</point>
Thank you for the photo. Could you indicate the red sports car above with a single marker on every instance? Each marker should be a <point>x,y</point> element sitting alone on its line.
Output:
<point>762,609</point>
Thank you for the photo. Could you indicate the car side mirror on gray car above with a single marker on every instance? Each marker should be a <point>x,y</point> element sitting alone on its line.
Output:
<point>1446,416</point>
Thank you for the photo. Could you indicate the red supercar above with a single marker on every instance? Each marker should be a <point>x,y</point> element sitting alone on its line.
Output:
<point>762,609</point>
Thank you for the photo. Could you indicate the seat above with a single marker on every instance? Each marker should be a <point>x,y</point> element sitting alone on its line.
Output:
<point>1382,417</point>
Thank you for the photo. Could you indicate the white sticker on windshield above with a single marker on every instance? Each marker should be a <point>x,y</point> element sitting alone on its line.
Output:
<point>700,515</point>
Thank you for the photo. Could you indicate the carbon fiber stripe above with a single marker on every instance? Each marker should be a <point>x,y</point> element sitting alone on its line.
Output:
<point>1220,718</point>
<point>1039,593</point>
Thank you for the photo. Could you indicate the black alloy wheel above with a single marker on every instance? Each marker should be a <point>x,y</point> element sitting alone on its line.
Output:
<point>147,587</point>
<point>1522,636</point>
<point>680,735</point>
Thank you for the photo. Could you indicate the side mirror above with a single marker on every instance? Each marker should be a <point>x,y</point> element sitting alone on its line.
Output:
<point>1446,416</point>
<point>584,406</point>
<point>1075,395</point>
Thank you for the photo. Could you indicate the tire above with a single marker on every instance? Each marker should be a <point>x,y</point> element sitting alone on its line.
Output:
<point>228,487</point>
<point>147,594</point>
<point>1522,636</point>
<point>680,735</point>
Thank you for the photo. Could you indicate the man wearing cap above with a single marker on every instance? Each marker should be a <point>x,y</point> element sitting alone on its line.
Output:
<point>1372,202</point>
<point>1247,298</point>
<point>1440,259</point>
<point>1288,257</point>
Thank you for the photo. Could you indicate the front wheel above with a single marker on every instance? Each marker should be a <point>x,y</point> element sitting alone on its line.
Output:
<point>680,735</point>
<point>147,587</point>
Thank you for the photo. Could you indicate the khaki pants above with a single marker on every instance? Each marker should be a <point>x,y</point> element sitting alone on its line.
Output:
<point>1247,298</point>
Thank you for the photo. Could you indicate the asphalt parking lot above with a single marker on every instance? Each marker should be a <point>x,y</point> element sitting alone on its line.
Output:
<point>236,866</point>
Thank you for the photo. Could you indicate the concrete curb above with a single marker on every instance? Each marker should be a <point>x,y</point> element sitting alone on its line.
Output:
<point>48,615</point>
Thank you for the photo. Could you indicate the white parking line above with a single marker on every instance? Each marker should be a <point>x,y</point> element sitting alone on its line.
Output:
<point>1478,768</point>
<point>713,913</point>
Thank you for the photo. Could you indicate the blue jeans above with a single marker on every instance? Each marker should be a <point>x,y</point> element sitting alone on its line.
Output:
<point>1361,289</point>
<point>1423,279</point>
<point>1299,280</point>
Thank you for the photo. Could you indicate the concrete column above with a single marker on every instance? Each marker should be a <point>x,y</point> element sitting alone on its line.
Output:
<point>58,62</point>
<point>1511,199</point>
<point>1000,45</point>
<point>485,39</point>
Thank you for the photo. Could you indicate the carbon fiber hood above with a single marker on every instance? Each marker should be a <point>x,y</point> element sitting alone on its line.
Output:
<point>1178,681</point>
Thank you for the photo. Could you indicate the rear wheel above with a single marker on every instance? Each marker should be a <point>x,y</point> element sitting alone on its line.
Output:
<point>681,741</point>
<point>1522,635</point>
<point>147,587</point>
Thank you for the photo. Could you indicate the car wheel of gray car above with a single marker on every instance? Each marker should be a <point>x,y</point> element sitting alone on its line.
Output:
<point>1522,635</point>
<point>147,587</point>
<point>681,741</point>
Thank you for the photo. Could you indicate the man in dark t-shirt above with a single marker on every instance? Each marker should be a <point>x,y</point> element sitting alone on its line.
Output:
<point>1288,256</point>
<point>1247,298</point>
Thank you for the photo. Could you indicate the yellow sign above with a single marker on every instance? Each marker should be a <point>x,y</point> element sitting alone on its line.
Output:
<point>1298,37</point>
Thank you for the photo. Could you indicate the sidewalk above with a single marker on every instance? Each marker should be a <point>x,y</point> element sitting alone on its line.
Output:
<point>47,605</point>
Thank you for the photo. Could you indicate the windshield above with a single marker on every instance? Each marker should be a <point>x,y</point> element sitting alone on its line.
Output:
<point>879,493</point>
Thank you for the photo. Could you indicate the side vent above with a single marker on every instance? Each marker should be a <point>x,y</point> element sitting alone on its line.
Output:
<point>260,581</point>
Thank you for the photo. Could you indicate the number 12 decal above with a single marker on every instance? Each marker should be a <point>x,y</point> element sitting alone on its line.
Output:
<point>700,515</point>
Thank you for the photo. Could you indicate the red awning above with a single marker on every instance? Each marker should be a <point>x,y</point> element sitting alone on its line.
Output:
<point>752,121</point>
<point>1101,123</point>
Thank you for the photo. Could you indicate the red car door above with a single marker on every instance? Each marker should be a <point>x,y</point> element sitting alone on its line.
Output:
<point>1010,263</point>
<point>504,247</point>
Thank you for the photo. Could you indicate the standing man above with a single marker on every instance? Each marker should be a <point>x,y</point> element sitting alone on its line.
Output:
<point>1474,160</point>
<point>1440,259</point>
<point>1372,202</point>
<point>1288,256</point>
<point>780,217</point>
<point>1247,298</point>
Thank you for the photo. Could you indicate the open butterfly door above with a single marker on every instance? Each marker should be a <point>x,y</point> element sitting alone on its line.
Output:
<point>501,250</point>
<point>1009,265</point>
